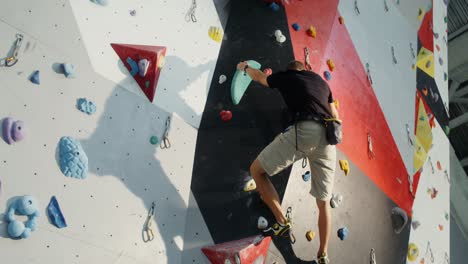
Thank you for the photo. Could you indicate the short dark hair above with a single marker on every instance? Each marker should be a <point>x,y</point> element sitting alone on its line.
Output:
<point>296,65</point>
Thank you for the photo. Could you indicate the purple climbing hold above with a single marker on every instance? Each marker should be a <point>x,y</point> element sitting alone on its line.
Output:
<point>327,75</point>
<point>13,131</point>
<point>436,35</point>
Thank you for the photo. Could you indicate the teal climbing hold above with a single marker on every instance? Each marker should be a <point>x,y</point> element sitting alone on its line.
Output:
<point>241,82</point>
<point>154,140</point>
<point>133,66</point>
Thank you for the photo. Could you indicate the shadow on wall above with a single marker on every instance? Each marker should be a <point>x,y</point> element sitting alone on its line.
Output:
<point>181,75</point>
<point>119,147</point>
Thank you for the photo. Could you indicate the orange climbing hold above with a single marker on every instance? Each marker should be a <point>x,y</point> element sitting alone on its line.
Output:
<point>331,64</point>
<point>439,166</point>
<point>312,31</point>
<point>441,227</point>
<point>341,20</point>
<point>424,90</point>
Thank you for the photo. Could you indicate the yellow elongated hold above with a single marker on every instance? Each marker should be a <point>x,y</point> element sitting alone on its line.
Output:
<point>310,235</point>
<point>344,165</point>
<point>216,33</point>
<point>312,31</point>
<point>331,64</point>
<point>337,104</point>
<point>420,14</point>
<point>413,252</point>
<point>250,186</point>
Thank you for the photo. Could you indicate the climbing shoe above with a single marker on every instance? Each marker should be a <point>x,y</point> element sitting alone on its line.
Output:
<point>323,259</point>
<point>279,229</point>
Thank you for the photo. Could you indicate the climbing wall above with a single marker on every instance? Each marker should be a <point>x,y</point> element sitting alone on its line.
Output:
<point>106,212</point>
<point>387,92</point>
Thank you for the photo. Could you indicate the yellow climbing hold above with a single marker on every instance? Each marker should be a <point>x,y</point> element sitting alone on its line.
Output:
<point>331,64</point>
<point>420,14</point>
<point>425,61</point>
<point>337,104</point>
<point>312,31</point>
<point>216,33</point>
<point>250,186</point>
<point>310,235</point>
<point>413,252</point>
<point>344,165</point>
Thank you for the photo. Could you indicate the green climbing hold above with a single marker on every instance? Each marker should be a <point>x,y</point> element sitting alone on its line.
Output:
<point>154,140</point>
<point>447,130</point>
<point>241,81</point>
<point>147,83</point>
<point>446,216</point>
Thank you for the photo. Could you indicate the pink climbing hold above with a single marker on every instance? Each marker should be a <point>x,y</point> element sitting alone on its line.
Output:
<point>268,71</point>
<point>226,115</point>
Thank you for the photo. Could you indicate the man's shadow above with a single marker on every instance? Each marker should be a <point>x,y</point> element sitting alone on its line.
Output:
<point>120,147</point>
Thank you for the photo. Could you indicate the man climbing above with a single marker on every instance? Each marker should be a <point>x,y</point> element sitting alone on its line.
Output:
<point>310,100</point>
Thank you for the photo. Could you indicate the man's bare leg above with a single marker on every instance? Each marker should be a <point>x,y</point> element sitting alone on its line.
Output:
<point>267,191</point>
<point>324,225</point>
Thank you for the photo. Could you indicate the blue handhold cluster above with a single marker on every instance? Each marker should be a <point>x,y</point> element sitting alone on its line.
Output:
<point>86,106</point>
<point>27,206</point>
<point>73,159</point>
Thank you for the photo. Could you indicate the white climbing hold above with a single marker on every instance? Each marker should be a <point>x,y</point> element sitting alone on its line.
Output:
<point>222,78</point>
<point>279,36</point>
<point>278,33</point>
<point>250,186</point>
<point>143,65</point>
<point>262,223</point>
<point>336,200</point>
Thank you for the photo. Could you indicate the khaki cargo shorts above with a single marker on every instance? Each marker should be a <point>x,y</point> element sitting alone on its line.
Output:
<point>312,143</point>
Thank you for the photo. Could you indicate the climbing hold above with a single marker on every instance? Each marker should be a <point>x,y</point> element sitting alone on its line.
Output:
<point>73,159</point>
<point>13,131</point>
<point>250,186</point>
<point>341,20</point>
<point>441,61</point>
<point>241,81</point>
<point>226,115</point>
<point>342,233</point>
<point>132,12</point>
<point>216,33</point>
<point>336,200</point>
<point>425,92</point>
<point>55,214</point>
<point>344,165</point>
<point>327,75</point>
<point>268,71</point>
<point>445,19</point>
<point>399,219</point>
<point>446,216</point>
<point>154,140</point>
<point>420,14</point>
<point>147,83</point>
<point>432,192</point>
<point>445,76</point>
<point>439,166</point>
<point>331,64</point>
<point>337,104</point>
<point>436,35</point>
<point>312,31</point>
<point>415,224</point>
<point>68,69</point>
<point>143,65</point>
<point>437,47</point>
<point>429,6</point>
<point>86,106</point>
<point>428,64</point>
<point>306,176</point>
<point>441,227</point>
<point>133,66</point>
<point>35,78</point>
<point>100,2</point>
<point>310,235</point>
<point>274,6</point>
<point>385,6</point>
<point>413,252</point>
<point>262,223</point>
<point>27,206</point>
<point>296,26</point>
<point>222,79</point>
<point>279,36</point>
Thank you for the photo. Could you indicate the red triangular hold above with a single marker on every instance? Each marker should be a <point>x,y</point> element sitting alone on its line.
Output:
<point>154,54</point>
<point>248,250</point>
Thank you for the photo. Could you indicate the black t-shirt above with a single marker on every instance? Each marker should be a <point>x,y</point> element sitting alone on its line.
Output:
<point>303,91</point>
